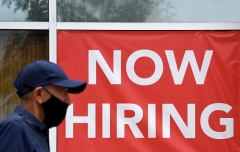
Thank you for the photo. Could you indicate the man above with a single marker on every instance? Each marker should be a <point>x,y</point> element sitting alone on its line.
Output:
<point>43,88</point>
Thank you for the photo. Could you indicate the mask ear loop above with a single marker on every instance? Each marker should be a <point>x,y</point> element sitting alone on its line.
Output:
<point>48,91</point>
<point>51,94</point>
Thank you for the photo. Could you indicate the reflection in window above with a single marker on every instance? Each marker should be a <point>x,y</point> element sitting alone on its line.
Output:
<point>105,10</point>
<point>24,10</point>
<point>168,11</point>
<point>17,49</point>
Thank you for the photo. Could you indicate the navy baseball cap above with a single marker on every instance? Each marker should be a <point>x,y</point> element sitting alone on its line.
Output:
<point>42,72</point>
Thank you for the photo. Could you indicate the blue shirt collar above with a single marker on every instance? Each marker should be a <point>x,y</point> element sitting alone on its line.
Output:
<point>32,119</point>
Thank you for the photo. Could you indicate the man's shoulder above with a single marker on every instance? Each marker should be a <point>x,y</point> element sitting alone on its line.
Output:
<point>16,135</point>
<point>12,120</point>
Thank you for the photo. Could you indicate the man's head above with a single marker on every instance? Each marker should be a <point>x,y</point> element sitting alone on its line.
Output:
<point>45,87</point>
<point>40,73</point>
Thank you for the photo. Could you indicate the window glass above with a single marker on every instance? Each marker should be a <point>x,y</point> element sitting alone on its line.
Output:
<point>24,10</point>
<point>17,49</point>
<point>169,11</point>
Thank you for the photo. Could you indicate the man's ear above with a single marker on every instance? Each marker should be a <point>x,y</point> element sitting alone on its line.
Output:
<point>38,94</point>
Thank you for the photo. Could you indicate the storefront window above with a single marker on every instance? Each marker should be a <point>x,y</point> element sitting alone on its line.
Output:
<point>168,11</point>
<point>24,10</point>
<point>17,48</point>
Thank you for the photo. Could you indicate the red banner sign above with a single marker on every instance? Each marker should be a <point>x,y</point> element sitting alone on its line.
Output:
<point>152,91</point>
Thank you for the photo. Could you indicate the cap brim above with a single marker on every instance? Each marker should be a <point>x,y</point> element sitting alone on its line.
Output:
<point>74,86</point>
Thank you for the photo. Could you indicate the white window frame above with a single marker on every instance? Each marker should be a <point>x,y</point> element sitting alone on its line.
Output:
<point>52,26</point>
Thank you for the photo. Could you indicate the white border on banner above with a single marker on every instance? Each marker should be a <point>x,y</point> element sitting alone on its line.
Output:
<point>146,26</point>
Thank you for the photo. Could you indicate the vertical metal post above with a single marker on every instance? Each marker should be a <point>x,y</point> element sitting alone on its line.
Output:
<point>53,58</point>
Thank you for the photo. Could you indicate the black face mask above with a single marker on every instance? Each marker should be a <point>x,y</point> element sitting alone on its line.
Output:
<point>55,111</point>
